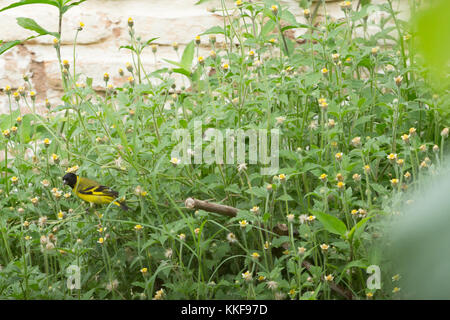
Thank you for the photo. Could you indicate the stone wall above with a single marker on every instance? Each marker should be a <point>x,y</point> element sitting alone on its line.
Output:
<point>105,31</point>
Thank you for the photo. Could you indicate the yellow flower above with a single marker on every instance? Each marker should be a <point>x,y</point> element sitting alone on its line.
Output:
<point>290,217</point>
<point>282,177</point>
<point>243,223</point>
<point>341,185</point>
<point>144,270</point>
<point>130,22</point>
<point>101,240</point>
<point>255,255</point>
<point>159,294</point>
<point>338,156</point>
<point>345,5</point>
<point>311,218</point>
<point>247,276</point>
<point>369,295</point>
<point>323,177</point>
<point>175,161</point>
<point>225,66</point>
<point>274,9</point>
<point>375,50</point>
<point>182,236</point>
<point>255,210</point>
<point>238,3</point>
<point>28,238</point>
<point>261,278</point>
<point>329,277</point>
<point>14,180</point>
<point>306,13</point>
<point>66,64</point>
<point>6,133</point>
<point>301,250</point>
<point>394,181</point>
<point>201,60</point>
<point>396,277</point>
<point>396,289</point>
<point>324,247</point>
<point>324,71</point>
<point>138,227</point>
<point>392,157</point>
<point>47,142</point>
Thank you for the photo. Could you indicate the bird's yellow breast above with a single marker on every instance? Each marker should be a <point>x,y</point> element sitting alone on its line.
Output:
<point>97,199</point>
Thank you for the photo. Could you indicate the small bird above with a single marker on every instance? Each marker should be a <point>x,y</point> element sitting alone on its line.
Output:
<point>92,192</point>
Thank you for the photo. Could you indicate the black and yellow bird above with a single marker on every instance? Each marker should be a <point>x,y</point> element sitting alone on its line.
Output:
<point>92,192</point>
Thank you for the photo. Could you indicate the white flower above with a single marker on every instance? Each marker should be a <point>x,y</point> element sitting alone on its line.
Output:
<point>242,167</point>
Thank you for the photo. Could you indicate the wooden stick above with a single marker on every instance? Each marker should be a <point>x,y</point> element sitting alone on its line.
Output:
<point>281,229</point>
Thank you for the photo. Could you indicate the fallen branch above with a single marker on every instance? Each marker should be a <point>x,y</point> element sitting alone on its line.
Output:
<point>281,229</point>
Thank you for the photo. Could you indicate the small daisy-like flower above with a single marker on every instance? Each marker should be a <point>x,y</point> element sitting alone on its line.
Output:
<point>154,48</point>
<point>329,278</point>
<point>243,223</point>
<point>55,42</point>
<point>341,185</point>
<point>138,227</point>
<point>251,53</point>
<point>67,195</point>
<point>101,240</point>
<point>273,40</point>
<point>255,210</point>
<point>394,182</point>
<point>324,247</point>
<point>238,3</point>
<point>396,277</point>
<point>32,95</point>
<point>272,285</point>
<point>26,224</point>
<point>301,250</point>
<point>354,212</point>
<point>356,142</point>
<point>280,119</point>
<point>28,238</point>
<point>324,71</point>
<point>282,177</point>
<point>303,218</point>
<point>274,9</point>
<point>66,64</point>
<point>375,50</point>
<point>182,236</point>
<point>242,167</point>
<point>255,255</point>
<point>369,295</point>
<point>323,103</point>
<point>444,133</point>
<point>392,157</point>
<point>338,156</point>
<point>130,80</point>
<point>231,238</point>
<point>356,177</point>
<point>269,187</point>
<point>19,120</point>
<point>346,5</point>
<point>247,276</point>
<point>398,80</point>
<point>405,138</point>
<point>412,131</point>
<point>201,60</point>
<point>331,123</point>
<point>197,231</point>
<point>407,175</point>
<point>6,133</point>
<point>60,215</point>
<point>35,200</point>
<point>400,162</point>
<point>212,54</point>
<point>14,180</point>
<point>42,221</point>
<point>47,142</point>
<point>7,90</point>
<point>323,177</point>
<point>144,270</point>
<point>266,245</point>
<point>55,158</point>
<point>16,96</point>
<point>168,253</point>
<point>212,39</point>
<point>197,40</point>
<point>311,218</point>
<point>130,22</point>
<point>261,278</point>
<point>159,295</point>
<point>225,66</point>
<point>395,290</point>
<point>72,169</point>
<point>290,217</point>
<point>306,13</point>
<point>175,161</point>
<point>80,26</point>
<point>423,165</point>
<point>339,177</point>
<point>366,169</point>
<point>106,77</point>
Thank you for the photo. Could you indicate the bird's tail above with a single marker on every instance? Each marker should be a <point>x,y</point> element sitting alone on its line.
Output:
<point>122,205</point>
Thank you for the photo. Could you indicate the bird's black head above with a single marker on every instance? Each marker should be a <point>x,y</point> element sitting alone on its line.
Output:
<point>70,179</point>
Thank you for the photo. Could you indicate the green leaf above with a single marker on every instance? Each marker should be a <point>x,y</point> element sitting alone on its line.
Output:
<point>331,224</point>
<point>285,197</point>
<point>358,228</point>
<point>25,2</point>
<point>8,45</point>
<point>32,25</point>
<point>188,56</point>
<point>73,4</point>
<point>213,30</point>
